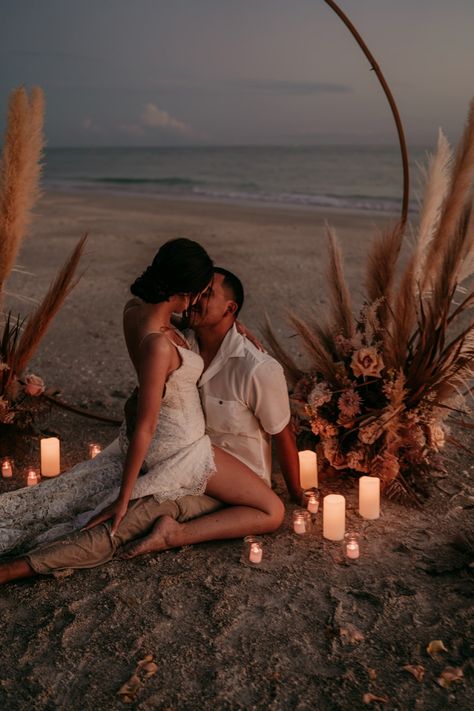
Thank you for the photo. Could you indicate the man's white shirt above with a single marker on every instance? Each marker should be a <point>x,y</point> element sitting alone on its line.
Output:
<point>245,400</point>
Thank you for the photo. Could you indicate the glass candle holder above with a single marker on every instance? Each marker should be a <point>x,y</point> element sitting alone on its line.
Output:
<point>94,450</point>
<point>32,477</point>
<point>252,552</point>
<point>302,523</point>
<point>7,468</point>
<point>310,500</point>
<point>351,546</point>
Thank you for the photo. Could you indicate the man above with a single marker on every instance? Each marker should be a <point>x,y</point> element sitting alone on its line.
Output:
<point>245,401</point>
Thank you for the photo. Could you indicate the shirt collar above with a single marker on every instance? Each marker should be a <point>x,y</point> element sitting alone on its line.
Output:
<point>231,347</point>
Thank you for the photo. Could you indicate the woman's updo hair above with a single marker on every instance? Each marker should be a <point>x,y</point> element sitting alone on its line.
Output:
<point>180,267</point>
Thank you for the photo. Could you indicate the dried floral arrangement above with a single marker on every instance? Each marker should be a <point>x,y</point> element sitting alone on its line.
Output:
<point>20,169</point>
<point>382,389</point>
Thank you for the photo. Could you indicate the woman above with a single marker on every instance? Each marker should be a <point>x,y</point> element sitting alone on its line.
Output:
<point>167,454</point>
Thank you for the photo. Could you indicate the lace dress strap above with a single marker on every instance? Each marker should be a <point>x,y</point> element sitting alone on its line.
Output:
<point>163,333</point>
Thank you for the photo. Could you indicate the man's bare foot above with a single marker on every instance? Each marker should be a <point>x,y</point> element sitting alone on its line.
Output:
<point>14,570</point>
<point>164,535</point>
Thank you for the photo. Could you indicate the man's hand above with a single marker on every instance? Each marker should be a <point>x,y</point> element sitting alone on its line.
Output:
<point>288,459</point>
<point>244,331</point>
<point>115,511</point>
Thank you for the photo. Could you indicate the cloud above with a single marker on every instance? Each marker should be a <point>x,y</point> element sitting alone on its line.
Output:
<point>153,117</point>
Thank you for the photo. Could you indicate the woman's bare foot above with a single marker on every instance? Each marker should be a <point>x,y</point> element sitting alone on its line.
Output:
<point>164,535</point>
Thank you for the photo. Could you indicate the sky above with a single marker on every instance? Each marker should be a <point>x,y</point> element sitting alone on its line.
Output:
<point>230,72</point>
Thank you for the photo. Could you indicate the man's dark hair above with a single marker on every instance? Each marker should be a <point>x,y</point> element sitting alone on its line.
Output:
<point>233,283</point>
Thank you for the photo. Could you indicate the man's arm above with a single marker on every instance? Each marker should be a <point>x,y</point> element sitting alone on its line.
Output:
<point>288,459</point>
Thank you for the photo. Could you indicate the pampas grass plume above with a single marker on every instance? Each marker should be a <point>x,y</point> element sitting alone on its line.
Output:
<point>19,173</point>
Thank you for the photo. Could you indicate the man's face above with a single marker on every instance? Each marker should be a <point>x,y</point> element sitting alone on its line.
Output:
<point>213,305</point>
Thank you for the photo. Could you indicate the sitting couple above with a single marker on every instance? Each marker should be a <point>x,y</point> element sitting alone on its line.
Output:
<point>168,480</point>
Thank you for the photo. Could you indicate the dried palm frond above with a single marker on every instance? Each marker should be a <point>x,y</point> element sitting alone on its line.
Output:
<point>321,360</point>
<point>38,321</point>
<point>19,173</point>
<point>381,272</point>
<point>342,315</point>
<point>404,319</point>
<point>292,371</point>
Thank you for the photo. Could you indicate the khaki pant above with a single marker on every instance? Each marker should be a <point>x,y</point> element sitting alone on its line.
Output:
<point>87,549</point>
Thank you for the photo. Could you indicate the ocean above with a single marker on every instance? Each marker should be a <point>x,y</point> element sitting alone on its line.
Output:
<point>344,178</point>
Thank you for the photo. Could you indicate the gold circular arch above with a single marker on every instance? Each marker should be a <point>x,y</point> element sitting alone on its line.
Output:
<point>398,122</point>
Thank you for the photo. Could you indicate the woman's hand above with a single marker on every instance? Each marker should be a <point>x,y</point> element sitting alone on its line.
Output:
<point>115,511</point>
<point>243,330</point>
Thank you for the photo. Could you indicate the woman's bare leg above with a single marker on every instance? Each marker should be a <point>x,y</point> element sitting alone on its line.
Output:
<point>15,569</point>
<point>254,508</point>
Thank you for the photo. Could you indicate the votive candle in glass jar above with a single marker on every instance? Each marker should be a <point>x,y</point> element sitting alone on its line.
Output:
<point>311,500</point>
<point>94,450</point>
<point>252,553</point>
<point>351,546</point>
<point>302,522</point>
<point>32,477</point>
<point>7,468</point>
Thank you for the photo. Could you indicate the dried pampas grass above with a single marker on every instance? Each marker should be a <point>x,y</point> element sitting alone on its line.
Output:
<point>19,173</point>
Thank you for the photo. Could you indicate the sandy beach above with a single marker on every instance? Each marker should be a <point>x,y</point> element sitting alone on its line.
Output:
<point>306,631</point>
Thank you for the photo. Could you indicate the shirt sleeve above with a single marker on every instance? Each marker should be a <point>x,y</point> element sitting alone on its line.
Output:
<point>268,396</point>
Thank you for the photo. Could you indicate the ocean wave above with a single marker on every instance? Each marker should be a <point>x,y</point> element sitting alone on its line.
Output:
<point>170,182</point>
<point>363,203</point>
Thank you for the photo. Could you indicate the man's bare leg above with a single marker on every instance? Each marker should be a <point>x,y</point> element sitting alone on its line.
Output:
<point>15,569</point>
<point>254,508</point>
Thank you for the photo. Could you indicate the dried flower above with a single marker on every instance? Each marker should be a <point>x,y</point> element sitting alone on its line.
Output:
<point>349,403</point>
<point>386,466</point>
<point>34,385</point>
<point>356,459</point>
<point>319,395</point>
<point>367,361</point>
<point>344,346</point>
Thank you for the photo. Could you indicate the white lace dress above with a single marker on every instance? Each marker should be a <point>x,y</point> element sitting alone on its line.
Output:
<point>179,462</point>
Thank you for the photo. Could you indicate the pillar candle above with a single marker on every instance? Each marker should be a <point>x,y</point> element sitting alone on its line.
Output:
<point>50,465</point>
<point>369,497</point>
<point>308,469</point>
<point>334,517</point>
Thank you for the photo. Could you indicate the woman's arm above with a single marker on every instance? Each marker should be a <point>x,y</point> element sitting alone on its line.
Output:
<point>154,366</point>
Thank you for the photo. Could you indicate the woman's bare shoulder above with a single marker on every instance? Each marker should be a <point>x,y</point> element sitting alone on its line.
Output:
<point>132,303</point>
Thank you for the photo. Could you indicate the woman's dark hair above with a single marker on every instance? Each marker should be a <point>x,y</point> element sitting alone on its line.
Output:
<point>180,267</point>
